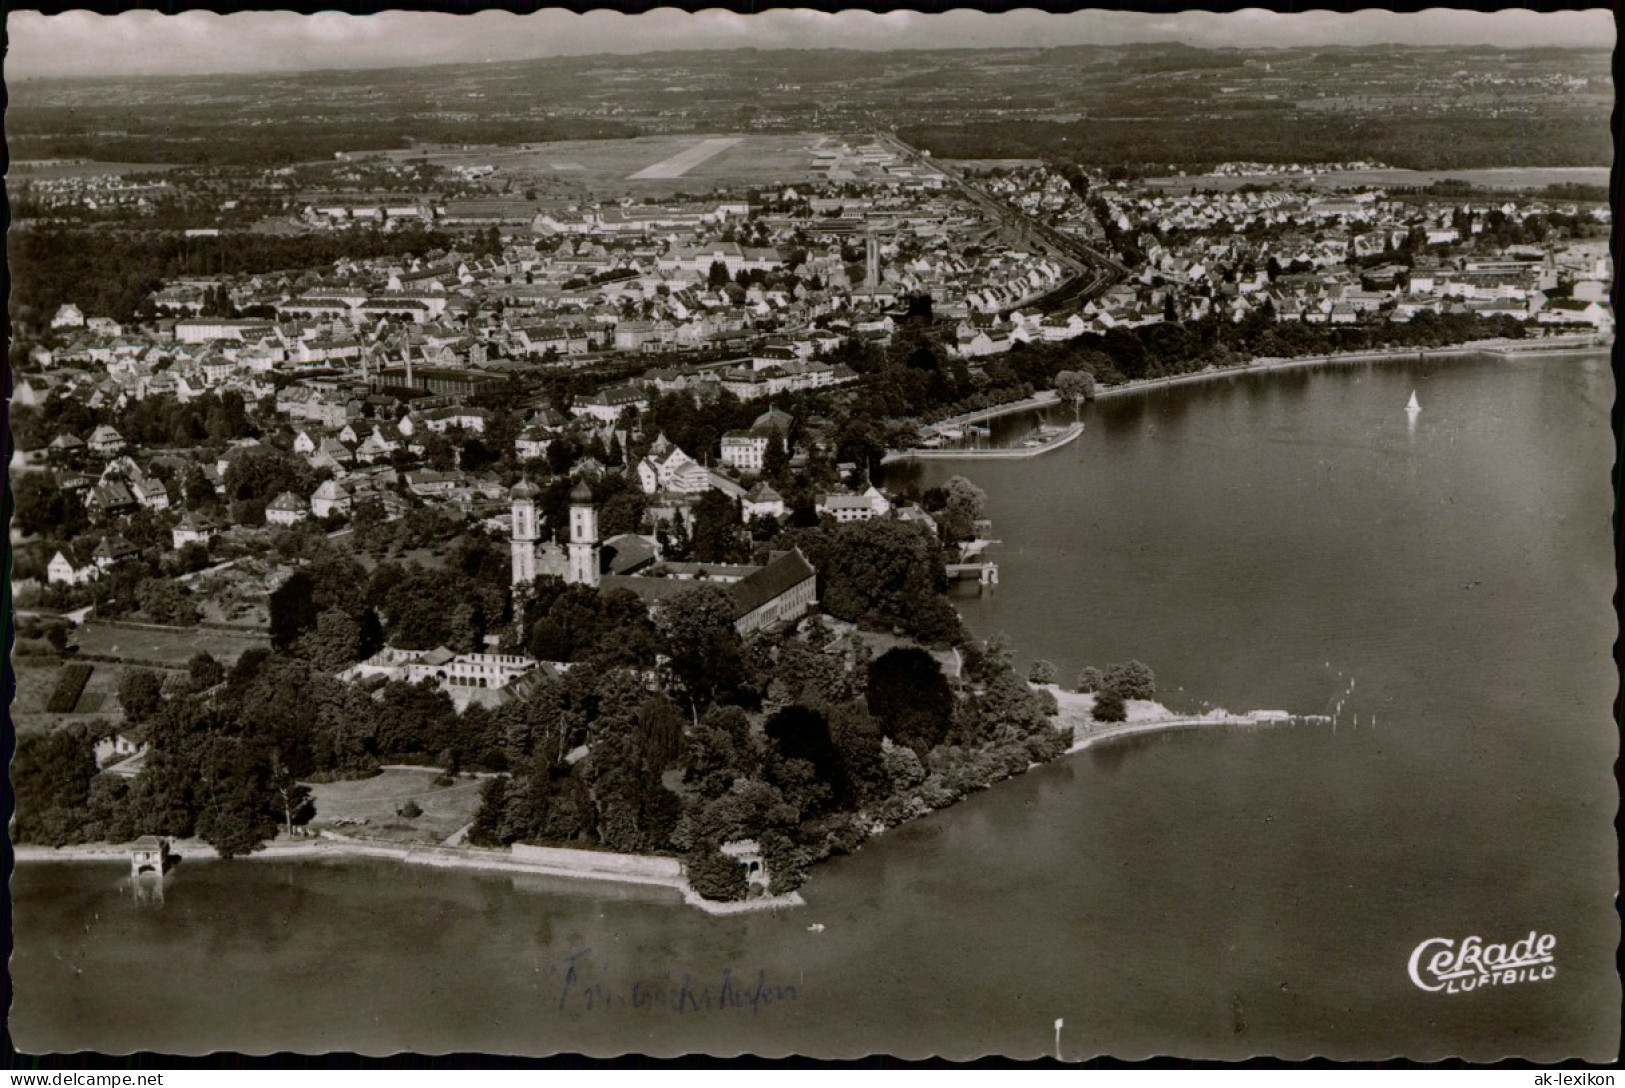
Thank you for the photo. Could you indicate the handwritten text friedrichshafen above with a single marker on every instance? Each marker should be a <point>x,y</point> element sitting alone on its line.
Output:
<point>730,990</point>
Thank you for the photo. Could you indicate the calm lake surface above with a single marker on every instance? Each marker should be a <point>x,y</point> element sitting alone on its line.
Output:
<point>1263,541</point>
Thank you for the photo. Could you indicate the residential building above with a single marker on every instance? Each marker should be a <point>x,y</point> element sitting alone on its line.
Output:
<point>286,509</point>
<point>843,508</point>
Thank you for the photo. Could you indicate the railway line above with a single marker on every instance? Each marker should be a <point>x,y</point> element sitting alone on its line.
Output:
<point>1092,272</point>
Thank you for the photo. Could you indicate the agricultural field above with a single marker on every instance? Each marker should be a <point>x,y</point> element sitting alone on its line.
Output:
<point>55,171</point>
<point>446,809</point>
<point>39,681</point>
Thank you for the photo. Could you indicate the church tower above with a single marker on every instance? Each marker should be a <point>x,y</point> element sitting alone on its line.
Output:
<point>524,532</point>
<point>583,537</point>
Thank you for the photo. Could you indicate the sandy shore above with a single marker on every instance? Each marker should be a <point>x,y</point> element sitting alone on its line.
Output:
<point>1143,716</point>
<point>743,906</point>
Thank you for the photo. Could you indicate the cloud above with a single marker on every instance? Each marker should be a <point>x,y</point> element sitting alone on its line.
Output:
<point>146,42</point>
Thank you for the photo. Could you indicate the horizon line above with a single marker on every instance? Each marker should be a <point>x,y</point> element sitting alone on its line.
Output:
<point>81,46</point>
<point>403,65</point>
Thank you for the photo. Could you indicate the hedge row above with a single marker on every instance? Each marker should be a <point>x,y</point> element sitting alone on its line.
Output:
<point>69,686</point>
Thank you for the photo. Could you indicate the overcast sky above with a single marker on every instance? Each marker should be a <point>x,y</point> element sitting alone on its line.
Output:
<point>144,42</point>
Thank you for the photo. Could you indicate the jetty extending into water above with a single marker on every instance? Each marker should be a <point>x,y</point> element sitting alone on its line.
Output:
<point>1032,447</point>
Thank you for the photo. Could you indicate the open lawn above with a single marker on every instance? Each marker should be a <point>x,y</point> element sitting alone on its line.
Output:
<point>685,160</point>
<point>1076,709</point>
<point>429,558</point>
<point>167,646</point>
<point>446,809</point>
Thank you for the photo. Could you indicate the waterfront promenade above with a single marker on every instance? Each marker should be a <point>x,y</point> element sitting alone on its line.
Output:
<point>1552,345</point>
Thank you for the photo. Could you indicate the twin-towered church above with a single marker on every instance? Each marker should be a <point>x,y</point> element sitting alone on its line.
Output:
<point>529,557</point>
<point>782,591</point>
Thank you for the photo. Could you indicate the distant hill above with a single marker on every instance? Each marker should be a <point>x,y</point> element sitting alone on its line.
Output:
<point>1169,104</point>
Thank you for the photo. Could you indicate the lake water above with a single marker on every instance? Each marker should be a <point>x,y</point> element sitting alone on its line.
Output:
<point>1262,542</point>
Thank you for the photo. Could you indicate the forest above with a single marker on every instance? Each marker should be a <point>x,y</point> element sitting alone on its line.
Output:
<point>111,273</point>
<point>1195,142</point>
<point>213,137</point>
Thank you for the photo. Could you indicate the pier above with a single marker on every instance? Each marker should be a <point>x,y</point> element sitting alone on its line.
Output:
<point>1030,448</point>
<point>986,573</point>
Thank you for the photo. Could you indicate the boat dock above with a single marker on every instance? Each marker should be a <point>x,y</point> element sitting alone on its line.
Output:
<point>986,573</point>
<point>1032,447</point>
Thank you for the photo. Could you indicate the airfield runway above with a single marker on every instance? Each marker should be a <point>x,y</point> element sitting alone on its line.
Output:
<point>685,160</point>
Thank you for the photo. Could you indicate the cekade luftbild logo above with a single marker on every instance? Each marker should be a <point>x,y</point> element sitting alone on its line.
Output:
<point>1443,965</point>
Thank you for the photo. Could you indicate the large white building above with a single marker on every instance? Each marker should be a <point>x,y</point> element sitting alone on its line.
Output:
<point>870,504</point>
<point>533,557</point>
<point>606,405</point>
<point>745,450</point>
<point>664,470</point>
<point>467,678</point>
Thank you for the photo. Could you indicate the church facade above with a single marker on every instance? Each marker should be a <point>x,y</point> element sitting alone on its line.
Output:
<point>781,591</point>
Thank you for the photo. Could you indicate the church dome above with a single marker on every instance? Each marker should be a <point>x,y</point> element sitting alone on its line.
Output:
<point>581,494</point>
<point>524,489</point>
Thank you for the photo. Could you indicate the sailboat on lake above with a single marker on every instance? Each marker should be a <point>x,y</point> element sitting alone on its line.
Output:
<point>1415,405</point>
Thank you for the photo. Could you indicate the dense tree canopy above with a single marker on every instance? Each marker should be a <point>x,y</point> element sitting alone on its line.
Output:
<point>1131,680</point>
<point>910,697</point>
<point>964,505</point>
<point>707,655</point>
<point>50,780</point>
<point>886,574</point>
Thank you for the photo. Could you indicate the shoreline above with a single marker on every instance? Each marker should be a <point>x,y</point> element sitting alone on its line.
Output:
<point>336,847</point>
<point>1145,717</point>
<point>1506,348</point>
<point>1082,741</point>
